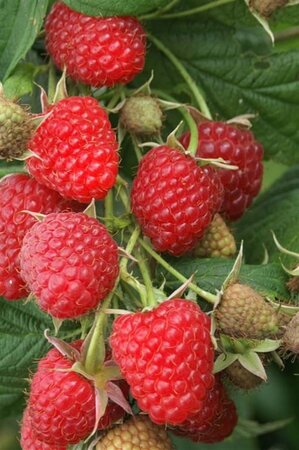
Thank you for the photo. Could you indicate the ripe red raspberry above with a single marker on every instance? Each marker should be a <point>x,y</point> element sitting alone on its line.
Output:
<point>166,356</point>
<point>173,199</point>
<point>19,192</point>
<point>62,403</point>
<point>239,147</point>
<point>96,51</point>
<point>70,263</point>
<point>77,150</point>
<point>28,438</point>
<point>215,421</point>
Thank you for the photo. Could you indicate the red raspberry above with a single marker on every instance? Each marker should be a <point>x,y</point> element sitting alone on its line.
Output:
<point>77,150</point>
<point>215,421</point>
<point>239,147</point>
<point>166,356</point>
<point>28,438</point>
<point>96,51</point>
<point>70,263</point>
<point>62,403</point>
<point>217,191</point>
<point>19,192</point>
<point>173,199</point>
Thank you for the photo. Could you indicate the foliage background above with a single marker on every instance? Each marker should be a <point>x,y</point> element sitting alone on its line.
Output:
<point>231,58</point>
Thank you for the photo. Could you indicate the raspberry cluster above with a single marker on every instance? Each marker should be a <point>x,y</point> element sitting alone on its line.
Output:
<point>157,355</point>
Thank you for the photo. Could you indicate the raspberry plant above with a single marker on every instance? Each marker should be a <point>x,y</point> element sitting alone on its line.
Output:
<point>148,215</point>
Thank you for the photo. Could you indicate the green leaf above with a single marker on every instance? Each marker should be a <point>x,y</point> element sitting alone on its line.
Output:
<point>235,79</point>
<point>21,343</point>
<point>209,274</point>
<point>115,7</point>
<point>20,82</point>
<point>278,210</point>
<point>20,23</point>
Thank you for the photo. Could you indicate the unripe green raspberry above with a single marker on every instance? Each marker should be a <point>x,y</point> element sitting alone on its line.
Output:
<point>243,312</point>
<point>241,377</point>
<point>291,337</point>
<point>141,115</point>
<point>217,242</point>
<point>138,433</point>
<point>15,129</point>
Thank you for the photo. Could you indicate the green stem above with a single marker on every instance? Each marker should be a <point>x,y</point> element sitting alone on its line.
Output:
<point>156,14</point>
<point>138,287</point>
<point>52,82</point>
<point>136,148</point>
<point>197,10</point>
<point>145,272</point>
<point>114,100</point>
<point>211,298</point>
<point>108,202</point>
<point>193,144</point>
<point>130,246</point>
<point>184,74</point>
<point>96,347</point>
<point>123,194</point>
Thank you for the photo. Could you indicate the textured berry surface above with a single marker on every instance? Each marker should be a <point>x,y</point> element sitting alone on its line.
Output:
<point>15,129</point>
<point>96,51</point>
<point>138,433</point>
<point>217,242</point>
<point>141,115</point>
<point>77,150</point>
<point>291,335</point>
<point>171,199</point>
<point>244,312</point>
<point>241,377</point>
<point>220,421</point>
<point>70,263</point>
<point>238,147</point>
<point>28,437</point>
<point>61,403</point>
<point>20,192</point>
<point>166,356</point>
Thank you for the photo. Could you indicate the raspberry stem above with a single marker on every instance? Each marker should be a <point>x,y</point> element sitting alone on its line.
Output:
<point>198,9</point>
<point>145,272</point>
<point>158,13</point>
<point>108,203</point>
<point>211,298</point>
<point>184,74</point>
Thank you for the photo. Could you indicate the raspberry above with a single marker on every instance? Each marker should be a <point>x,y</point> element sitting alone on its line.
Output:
<point>244,312</point>
<point>141,115</point>
<point>113,412</point>
<point>166,356</point>
<point>137,433</point>
<point>28,438</point>
<point>172,199</point>
<point>241,377</point>
<point>62,402</point>
<point>96,51</point>
<point>217,190</point>
<point>217,423</point>
<point>15,129</point>
<point>219,139</point>
<point>70,263</point>
<point>290,338</point>
<point>77,150</point>
<point>217,241</point>
<point>19,192</point>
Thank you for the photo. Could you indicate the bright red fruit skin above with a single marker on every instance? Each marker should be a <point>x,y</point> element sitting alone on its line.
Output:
<point>28,438</point>
<point>238,147</point>
<point>166,356</point>
<point>62,404</point>
<point>173,200</point>
<point>77,150</point>
<point>18,193</point>
<point>70,263</point>
<point>215,421</point>
<point>96,51</point>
